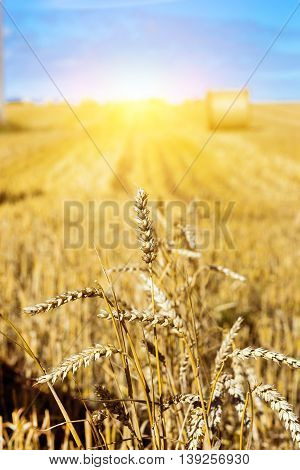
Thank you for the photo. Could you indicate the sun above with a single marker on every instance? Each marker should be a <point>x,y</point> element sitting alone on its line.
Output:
<point>138,85</point>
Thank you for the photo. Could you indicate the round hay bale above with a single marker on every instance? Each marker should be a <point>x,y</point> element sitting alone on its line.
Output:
<point>228,109</point>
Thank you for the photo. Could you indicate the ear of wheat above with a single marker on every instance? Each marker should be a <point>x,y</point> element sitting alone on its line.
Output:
<point>62,299</point>
<point>73,363</point>
<point>145,316</point>
<point>113,406</point>
<point>269,394</point>
<point>183,398</point>
<point>215,415</point>
<point>145,228</point>
<point>166,307</point>
<point>236,392</point>
<point>195,429</point>
<point>262,353</point>
<point>226,345</point>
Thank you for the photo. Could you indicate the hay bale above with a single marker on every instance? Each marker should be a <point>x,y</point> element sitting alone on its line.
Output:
<point>220,116</point>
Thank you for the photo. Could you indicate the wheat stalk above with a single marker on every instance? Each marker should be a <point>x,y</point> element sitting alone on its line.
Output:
<point>195,429</point>
<point>215,414</point>
<point>151,348</point>
<point>183,368</point>
<point>185,253</point>
<point>144,316</point>
<point>234,389</point>
<point>125,269</point>
<point>160,298</point>
<point>98,417</point>
<point>190,235</point>
<point>74,362</point>
<point>114,407</point>
<point>226,346</point>
<point>165,305</point>
<point>239,373</point>
<point>228,272</point>
<point>183,398</point>
<point>62,299</point>
<point>269,394</point>
<point>145,229</point>
<point>256,353</point>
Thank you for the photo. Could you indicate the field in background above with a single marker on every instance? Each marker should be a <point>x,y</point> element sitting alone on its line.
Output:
<point>46,157</point>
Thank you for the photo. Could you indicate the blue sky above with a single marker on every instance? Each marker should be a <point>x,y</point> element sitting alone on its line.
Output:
<point>130,49</point>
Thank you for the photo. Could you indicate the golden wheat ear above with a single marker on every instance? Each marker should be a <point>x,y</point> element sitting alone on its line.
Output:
<point>145,230</point>
<point>62,299</point>
<point>256,353</point>
<point>226,346</point>
<point>73,363</point>
<point>269,395</point>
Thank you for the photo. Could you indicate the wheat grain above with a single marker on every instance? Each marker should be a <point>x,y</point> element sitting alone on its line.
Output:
<point>270,395</point>
<point>256,353</point>
<point>74,362</point>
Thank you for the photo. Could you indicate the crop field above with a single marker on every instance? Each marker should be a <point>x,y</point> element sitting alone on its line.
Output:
<point>159,380</point>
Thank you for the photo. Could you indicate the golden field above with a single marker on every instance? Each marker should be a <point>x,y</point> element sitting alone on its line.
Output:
<point>47,158</point>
